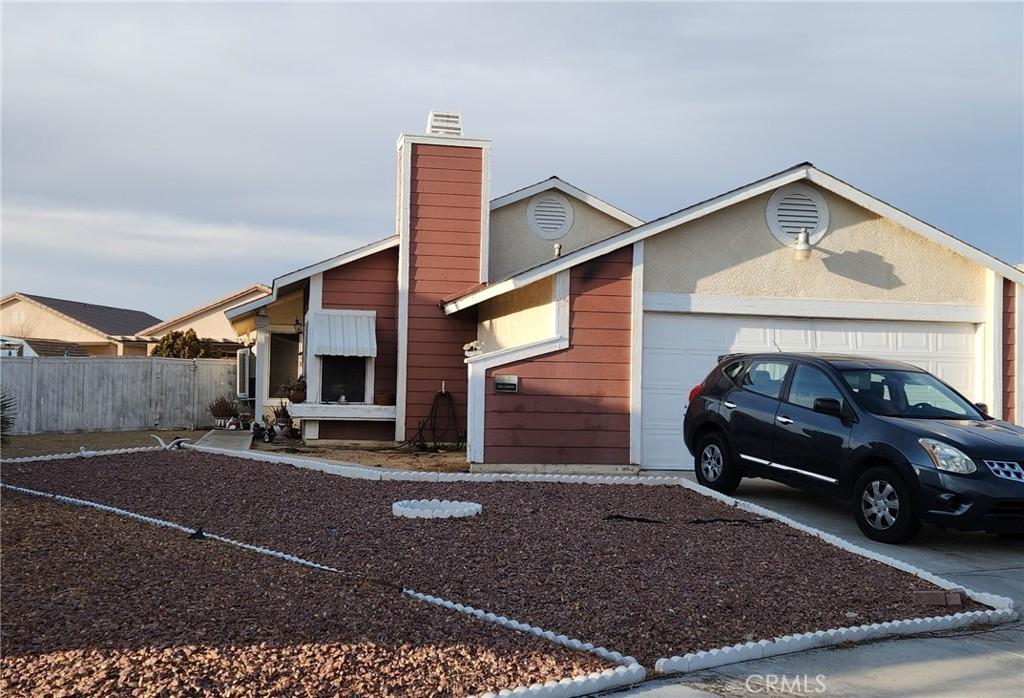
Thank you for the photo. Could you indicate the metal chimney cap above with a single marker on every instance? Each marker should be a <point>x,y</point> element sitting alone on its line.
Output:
<point>444,123</point>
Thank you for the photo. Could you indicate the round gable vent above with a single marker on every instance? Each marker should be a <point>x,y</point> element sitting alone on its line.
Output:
<point>549,215</point>
<point>794,208</point>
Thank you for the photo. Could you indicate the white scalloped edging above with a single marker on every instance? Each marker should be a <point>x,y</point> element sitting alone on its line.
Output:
<point>628,672</point>
<point>82,453</point>
<point>435,509</point>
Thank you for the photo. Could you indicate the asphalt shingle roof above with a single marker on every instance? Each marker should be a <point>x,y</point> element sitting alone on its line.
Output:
<point>55,347</point>
<point>106,319</point>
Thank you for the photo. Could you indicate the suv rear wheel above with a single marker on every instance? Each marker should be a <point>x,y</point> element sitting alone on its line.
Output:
<point>882,508</point>
<point>714,466</point>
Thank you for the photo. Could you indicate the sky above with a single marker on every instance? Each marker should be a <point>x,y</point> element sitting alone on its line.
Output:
<point>159,156</point>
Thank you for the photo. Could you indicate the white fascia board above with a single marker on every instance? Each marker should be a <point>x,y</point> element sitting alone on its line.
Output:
<point>457,141</point>
<point>306,272</point>
<point>575,192</point>
<point>627,237</point>
<point>813,308</point>
<point>932,233</point>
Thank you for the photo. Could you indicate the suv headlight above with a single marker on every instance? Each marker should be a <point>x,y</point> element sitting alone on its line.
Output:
<point>945,457</point>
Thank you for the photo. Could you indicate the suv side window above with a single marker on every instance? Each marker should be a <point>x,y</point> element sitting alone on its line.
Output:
<point>809,384</point>
<point>730,374</point>
<point>766,377</point>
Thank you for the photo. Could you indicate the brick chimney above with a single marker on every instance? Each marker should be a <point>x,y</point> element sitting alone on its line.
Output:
<point>443,211</point>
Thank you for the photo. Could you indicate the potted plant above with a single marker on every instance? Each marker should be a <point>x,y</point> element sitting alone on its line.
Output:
<point>282,420</point>
<point>222,409</point>
<point>294,391</point>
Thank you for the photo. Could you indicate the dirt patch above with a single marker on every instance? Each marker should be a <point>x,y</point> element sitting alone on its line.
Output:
<point>377,457</point>
<point>100,605</point>
<point>44,444</point>
<point>565,557</point>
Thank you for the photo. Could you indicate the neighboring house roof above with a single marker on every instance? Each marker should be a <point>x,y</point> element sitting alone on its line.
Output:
<point>805,171</point>
<point>555,182</point>
<point>105,319</point>
<point>55,347</point>
<point>229,300</point>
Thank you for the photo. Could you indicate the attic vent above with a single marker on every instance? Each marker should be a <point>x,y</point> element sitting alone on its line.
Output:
<point>444,123</point>
<point>794,208</point>
<point>549,215</point>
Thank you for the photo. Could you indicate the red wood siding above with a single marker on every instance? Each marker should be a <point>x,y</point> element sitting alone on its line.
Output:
<point>371,283</point>
<point>352,430</point>
<point>572,406</point>
<point>1010,366</point>
<point>444,245</point>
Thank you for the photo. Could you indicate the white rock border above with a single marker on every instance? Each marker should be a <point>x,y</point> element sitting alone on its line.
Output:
<point>628,672</point>
<point>1003,607</point>
<point>435,509</point>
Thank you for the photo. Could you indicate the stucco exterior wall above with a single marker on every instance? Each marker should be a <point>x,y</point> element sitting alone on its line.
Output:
<point>520,317</point>
<point>41,323</point>
<point>514,247</point>
<point>212,323</point>
<point>862,257</point>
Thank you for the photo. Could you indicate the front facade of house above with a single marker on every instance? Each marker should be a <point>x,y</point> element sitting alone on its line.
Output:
<point>566,331</point>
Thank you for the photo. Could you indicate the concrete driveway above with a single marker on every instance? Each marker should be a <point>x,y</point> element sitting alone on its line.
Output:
<point>963,664</point>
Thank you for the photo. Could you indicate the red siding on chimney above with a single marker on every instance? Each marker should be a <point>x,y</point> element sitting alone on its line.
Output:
<point>444,258</point>
<point>1010,366</point>
<point>573,405</point>
<point>370,283</point>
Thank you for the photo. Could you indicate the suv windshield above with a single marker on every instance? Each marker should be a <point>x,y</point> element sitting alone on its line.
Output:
<point>913,394</point>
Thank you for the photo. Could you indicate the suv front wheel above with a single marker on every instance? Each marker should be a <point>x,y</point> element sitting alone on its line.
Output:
<point>881,506</point>
<point>714,465</point>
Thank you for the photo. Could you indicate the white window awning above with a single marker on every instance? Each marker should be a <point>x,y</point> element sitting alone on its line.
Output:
<point>343,333</point>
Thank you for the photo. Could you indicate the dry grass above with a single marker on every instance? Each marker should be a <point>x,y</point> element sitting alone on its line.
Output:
<point>376,457</point>
<point>43,444</point>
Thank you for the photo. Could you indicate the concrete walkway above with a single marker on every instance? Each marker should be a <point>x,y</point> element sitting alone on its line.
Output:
<point>234,439</point>
<point>987,664</point>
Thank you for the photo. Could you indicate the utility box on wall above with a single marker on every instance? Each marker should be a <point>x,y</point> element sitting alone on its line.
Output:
<point>506,384</point>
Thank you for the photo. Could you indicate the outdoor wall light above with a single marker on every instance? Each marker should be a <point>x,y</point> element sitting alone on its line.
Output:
<point>297,325</point>
<point>802,248</point>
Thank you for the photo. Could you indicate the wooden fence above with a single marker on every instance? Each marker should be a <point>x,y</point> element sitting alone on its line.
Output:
<point>114,394</point>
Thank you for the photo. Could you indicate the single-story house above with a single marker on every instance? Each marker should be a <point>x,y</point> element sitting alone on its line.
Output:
<point>567,331</point>
<point>209,322</point>
<point>99,330</point>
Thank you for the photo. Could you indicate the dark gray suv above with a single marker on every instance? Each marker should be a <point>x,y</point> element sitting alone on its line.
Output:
<point>896,441</point>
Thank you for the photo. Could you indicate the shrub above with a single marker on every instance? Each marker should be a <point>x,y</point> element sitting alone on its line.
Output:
<point>223,407</point>
<point>183,345</point>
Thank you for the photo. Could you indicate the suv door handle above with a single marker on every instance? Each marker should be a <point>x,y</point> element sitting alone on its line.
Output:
<point>783,420</point>
<point>730,405</point>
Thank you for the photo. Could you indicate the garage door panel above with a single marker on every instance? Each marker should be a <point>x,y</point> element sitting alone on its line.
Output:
<point>680,350</point>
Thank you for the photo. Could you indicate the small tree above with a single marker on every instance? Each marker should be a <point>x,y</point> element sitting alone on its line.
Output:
<point>183,345</point>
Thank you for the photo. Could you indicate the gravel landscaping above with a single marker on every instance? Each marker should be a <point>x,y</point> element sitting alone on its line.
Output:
<point>100,605</point>
<point>649,571</point>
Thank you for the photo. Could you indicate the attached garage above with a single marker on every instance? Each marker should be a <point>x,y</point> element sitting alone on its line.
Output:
<point>681,348</point>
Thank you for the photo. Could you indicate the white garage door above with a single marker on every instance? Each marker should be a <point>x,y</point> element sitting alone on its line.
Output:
<point>680,350</point>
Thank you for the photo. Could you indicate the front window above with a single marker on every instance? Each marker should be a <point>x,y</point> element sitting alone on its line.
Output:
<point>810,384</point>
<point>343,379</point>
<point>913,394</point>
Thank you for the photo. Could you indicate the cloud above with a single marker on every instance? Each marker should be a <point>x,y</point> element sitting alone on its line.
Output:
<point>283,117</point>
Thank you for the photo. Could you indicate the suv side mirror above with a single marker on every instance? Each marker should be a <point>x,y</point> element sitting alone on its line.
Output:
<point>828,405</point>
<point>982,407</point>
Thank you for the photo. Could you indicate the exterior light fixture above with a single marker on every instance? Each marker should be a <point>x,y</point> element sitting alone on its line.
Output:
<point>297,325</point>
<point>802,248</point>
